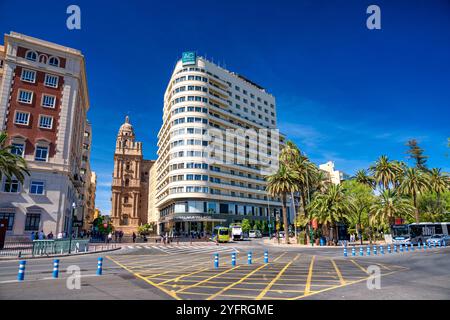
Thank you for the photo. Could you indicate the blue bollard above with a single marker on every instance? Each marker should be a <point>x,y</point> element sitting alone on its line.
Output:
<point>353,251</point>
<point>266,256</point>
<point>233,259</point>
<point>345,251</point>
<point>216,260</point>
<point>401,247</point>
<point>361,251</point>
<point>249,257</point>
<point>395,248</point>
<point>382,250</point>
<point>424,246</point>
<point>21,274</point>
<point>418,246</point>
<point>55,268</point>
<point>434,244</point>
<point>443,243</point>
<point>412,247</point>
<point>368,250</point>
<point>389,248</point>
<point>374,249</point>
<point>99,266</point>
<point>406,247</point>
<point>439,244</point>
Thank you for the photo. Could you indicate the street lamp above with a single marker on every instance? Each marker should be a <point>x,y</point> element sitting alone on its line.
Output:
<point>70,226</point>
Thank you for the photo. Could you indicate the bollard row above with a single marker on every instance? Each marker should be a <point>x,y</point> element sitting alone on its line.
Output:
<point>396,248</point>
<point>234,260</point>
<point>55,271</point>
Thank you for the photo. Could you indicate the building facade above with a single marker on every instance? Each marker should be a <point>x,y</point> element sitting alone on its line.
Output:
<point>130,186</point>
<point>334,176</point>
<point>89,178</point>
<point>43,105</point>
<point>217,138</point>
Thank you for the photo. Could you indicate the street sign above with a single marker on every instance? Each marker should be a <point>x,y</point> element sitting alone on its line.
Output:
<point>77,224</point>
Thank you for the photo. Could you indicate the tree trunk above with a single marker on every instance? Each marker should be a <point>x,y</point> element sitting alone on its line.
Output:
<point>285,220</point>
<point>415,207</point>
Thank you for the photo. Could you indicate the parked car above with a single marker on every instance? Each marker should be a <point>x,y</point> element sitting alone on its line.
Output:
<point>254,234</point>
<point>438,238</point>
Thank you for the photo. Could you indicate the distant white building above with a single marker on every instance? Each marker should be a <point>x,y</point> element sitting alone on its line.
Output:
<point>335,176</point>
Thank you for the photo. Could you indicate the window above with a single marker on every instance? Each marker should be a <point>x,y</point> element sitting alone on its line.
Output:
<point>9,217</point>
<point>41,153</point>
<point>48,101</point>
<point>53,61</point>
<point>28,75</point>
<point>18,149</point>
<point>11,186</point>
<point>21,118</point>
<point>45,122</point>
<point>32,221</point>
<point>31,55</point>
<point>51,81</point>
<point>37,187</point>
<point>25,96</point>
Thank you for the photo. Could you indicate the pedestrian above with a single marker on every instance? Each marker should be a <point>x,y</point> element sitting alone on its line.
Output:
<point>120,235</point>
<point>134,237</point>
<point>50,236</point>
<point>41,235</point>
<point>60,235</point>
<point>32,236</point>
<point>109,237</point>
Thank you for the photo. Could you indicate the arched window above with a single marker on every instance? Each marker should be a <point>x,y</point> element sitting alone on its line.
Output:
<point>31,55</point>
<point>125,220</point>
<point>53,61</point>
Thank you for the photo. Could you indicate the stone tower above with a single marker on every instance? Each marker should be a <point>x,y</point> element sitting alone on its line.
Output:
<point>130,182</point>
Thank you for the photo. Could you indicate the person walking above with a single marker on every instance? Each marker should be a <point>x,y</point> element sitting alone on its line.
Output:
<point>32,236</point>
<point>109,237</point>
<point>120,236</point>
<point>134,237</point>
<point>41,235</point>
<point>50,236</point>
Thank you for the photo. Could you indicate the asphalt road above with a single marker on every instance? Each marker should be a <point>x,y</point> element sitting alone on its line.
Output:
<point>185,271</point>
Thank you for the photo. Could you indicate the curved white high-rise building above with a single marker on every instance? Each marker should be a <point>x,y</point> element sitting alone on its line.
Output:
<point>214,147</point>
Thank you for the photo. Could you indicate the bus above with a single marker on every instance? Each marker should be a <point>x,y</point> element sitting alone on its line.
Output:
<point>416,233</point>
<point>222,234</point>
<point>236,231</point>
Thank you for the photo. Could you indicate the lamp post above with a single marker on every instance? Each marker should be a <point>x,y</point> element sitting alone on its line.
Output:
<point>70,226</point>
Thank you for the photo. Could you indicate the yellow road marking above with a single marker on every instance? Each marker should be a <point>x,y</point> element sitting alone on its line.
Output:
<point>209,278</point>
<point>269,286</point>
<point>182,276</point>
<point>338,272</point>
<point>276,259</point>
<point>358,265</point>
<point>170,293</point>
<point>236,283</point>
<point>308,280</point>
<point>335,287</point>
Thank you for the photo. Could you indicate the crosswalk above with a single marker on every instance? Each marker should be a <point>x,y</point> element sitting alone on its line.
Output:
<point>173,249</point>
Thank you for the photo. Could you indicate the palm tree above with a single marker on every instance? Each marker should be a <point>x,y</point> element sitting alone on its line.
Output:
<point>385,172</point>
<point>439,183</point>
<point>282,183</point>
<point>414,182</point>
<point>330,207</point>
<point>364,178</point>
<point>11,165</point>
<point>388,205</point>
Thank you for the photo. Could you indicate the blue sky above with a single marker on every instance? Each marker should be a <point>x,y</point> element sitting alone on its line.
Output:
<point>344,93</point>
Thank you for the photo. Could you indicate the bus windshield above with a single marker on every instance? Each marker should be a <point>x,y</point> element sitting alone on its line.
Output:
<point>400,231</point>
<point>223,232</point>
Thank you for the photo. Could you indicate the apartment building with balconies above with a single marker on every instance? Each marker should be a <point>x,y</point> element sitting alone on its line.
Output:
<point>217,142</point>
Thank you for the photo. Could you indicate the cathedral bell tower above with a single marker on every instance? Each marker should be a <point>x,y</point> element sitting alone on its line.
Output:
<point>126,185</point>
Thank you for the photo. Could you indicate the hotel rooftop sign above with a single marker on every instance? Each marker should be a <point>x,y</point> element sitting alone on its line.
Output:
<point>189,58</point>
